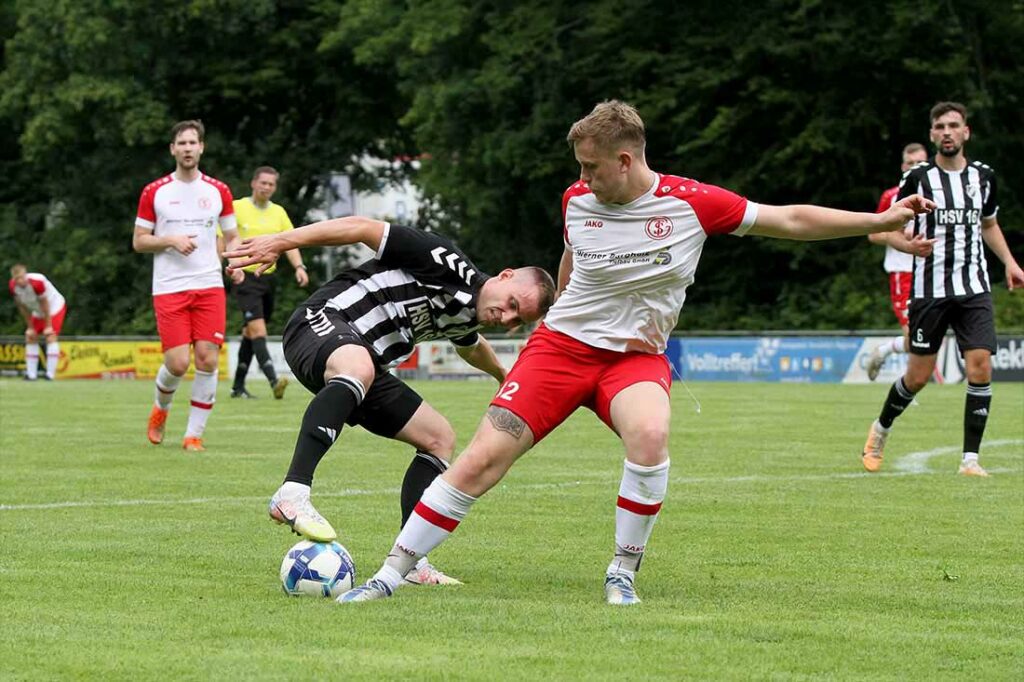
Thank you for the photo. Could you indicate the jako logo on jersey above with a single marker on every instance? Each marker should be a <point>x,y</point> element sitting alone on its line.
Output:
<point>593,223</point>
<point>659,227</point>
<point>663,258</point>
<point>957,216</point>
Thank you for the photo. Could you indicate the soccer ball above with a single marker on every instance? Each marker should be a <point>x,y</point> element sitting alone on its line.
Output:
<point>317,569</point>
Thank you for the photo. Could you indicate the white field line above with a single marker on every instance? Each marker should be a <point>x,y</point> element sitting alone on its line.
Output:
<point>913,464</point>
<point>917,462</point>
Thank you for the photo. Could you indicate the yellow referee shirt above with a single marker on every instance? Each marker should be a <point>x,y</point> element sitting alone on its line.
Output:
<point>254,221</point>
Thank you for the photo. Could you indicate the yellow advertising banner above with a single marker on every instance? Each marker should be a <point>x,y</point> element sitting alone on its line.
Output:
<point>116,360</point>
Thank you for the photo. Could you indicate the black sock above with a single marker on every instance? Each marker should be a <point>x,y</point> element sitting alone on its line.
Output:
<point>422,471</point>
<point>244,358</point>
<point>322,424</point>
<point>259,346</point>
<point>899,397</point>
<point>979,398</point>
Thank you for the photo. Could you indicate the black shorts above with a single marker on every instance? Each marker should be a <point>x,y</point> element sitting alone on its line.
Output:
<point>388,405</point>
<point>255,297</point>
<point>971,318</point>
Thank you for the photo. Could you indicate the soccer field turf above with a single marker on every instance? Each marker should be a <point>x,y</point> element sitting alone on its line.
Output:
<point>774,555</point>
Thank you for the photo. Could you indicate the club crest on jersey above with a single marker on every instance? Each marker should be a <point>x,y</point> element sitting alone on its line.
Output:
<point>205,203</point>
<point>973,191</point>
<point>658,227</point>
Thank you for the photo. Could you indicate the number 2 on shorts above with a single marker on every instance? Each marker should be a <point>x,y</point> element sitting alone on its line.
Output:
<point>507,390</point>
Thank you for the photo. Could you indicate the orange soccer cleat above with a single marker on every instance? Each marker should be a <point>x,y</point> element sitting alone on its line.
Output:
<point>193,444</point>
<point>871,457</point>
<point>157,420</point>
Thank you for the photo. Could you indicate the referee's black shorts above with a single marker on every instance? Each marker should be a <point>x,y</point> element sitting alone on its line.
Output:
<point>971,317</point>
<point>308,342</point>
<point>255,297</point>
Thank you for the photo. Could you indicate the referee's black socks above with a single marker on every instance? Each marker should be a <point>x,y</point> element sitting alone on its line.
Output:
<point>322,425</point>
<point>244,358</point>
<point>259,348</point>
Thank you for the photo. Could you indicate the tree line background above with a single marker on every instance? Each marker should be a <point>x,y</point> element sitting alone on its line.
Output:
<point>785,101</point>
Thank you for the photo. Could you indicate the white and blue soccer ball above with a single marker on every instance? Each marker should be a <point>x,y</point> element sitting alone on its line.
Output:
<point>317,569</point>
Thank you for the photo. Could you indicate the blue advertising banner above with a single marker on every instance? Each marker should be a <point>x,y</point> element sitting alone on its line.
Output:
<point>806,359</point>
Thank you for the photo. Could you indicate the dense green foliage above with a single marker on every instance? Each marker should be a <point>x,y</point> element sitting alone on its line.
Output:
<point>774,557</point>
<point>787,101</point>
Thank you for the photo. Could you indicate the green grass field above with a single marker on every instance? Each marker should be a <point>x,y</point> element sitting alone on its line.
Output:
<point>774,557</point>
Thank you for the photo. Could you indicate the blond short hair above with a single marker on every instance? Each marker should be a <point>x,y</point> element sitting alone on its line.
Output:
<point>611,124</point>
<point>18,269</point>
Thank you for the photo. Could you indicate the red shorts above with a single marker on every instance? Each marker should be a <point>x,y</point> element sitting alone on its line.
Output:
<point>555,374</point>
<point>899,294</point>
<point>56,321</point>
<point>185,317</point>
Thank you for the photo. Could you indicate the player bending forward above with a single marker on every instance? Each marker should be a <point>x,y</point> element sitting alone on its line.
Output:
<point>343,340</point>
<point>602,344</point>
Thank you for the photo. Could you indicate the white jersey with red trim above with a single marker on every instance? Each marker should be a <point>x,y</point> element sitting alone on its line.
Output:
<point>37,287</point>
<point>170,206</point>
<point>633,262</point>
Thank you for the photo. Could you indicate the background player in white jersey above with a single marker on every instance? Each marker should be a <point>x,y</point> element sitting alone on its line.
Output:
<point>43,309</point>
<point>898,264</point>
<point>951,288</point>
<point>177,222</point>
<point>632,241</point>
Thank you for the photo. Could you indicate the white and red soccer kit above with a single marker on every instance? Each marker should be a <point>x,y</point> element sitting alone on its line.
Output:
<point>37,288</point>
<point>188,291</point>
<point>632,264</point>
<point>898,265</point>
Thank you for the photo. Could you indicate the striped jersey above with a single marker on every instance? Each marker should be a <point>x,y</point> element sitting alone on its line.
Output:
<point>957,266</point>
<point>418,287</point>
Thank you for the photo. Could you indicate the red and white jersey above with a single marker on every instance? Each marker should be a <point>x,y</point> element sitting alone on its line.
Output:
<point>633,262</point>
<point>169,206</point>
<point>895,261</point>
<point>37,287</point>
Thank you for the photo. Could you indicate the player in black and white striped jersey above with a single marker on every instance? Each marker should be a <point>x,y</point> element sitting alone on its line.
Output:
<point>343,340</point>
<point>951,286</point>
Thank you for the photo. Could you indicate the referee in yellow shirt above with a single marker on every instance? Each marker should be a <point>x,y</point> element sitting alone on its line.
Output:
<point>258,215</point>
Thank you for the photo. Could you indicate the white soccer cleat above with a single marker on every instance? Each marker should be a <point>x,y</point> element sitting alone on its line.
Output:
<point>368,591</point>
<point>424,573</point>
<point>619,590</point>
<point>972,469</point>
<point>303,518</point>
<point>874,365</point>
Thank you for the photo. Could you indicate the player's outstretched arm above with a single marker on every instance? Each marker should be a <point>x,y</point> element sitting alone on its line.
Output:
<point>483,358</point>
<point>265,250</point>
<point>806,222</point>
<point>993,236</point>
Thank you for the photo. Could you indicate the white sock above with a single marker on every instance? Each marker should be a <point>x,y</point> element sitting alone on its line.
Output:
<point>291,490</point>
<point>204,395</point>
<point>898,345</point>
<point>439,511</point>
<point>166,385</point>
<point>640,496</point>
<point>970,457</point>
<point>32,360</point>
<point>52,357</point>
